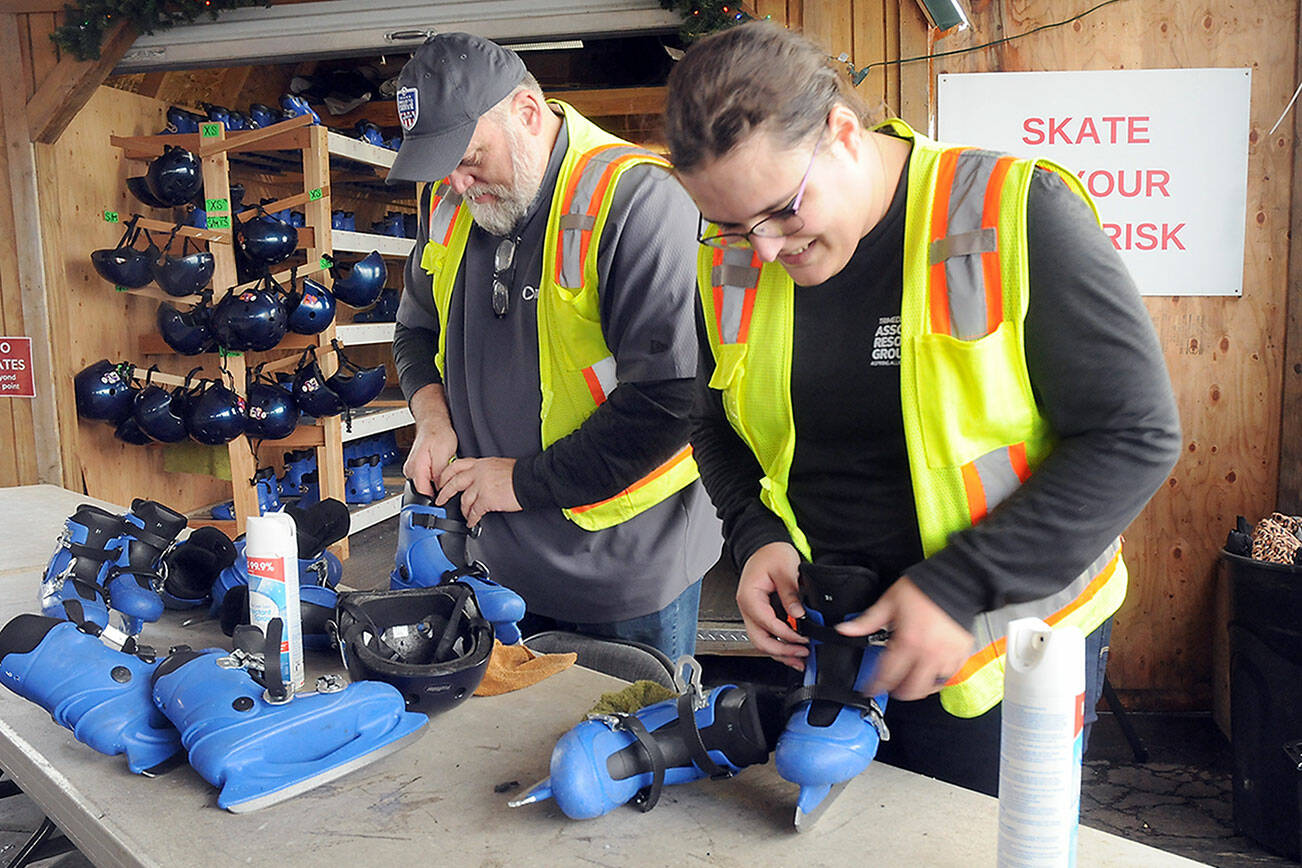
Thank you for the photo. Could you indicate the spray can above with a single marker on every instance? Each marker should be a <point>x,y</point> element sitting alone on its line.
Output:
<point>1040,745</point>
<point>271,552</point>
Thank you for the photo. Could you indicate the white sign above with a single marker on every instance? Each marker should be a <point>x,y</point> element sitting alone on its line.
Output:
<point>1163,152</point>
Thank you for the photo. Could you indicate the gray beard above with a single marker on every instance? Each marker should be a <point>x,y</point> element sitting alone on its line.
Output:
<point>513,200</point>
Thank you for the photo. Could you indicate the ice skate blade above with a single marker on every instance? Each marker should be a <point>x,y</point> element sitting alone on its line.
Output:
<point>805,820</point>
<point>537,793</point>
<point>294,789</point>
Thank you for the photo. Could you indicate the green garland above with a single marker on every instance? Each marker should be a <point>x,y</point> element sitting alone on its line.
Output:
<point>86,22</point>
<point>703,17</point>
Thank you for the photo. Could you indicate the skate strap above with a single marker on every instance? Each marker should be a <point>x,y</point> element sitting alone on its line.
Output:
<point>646,797</point>
<point>437,522</point>
<point>821,632</point>
<point>91,553</point>
<point>692,739</point>
<point>849,698</point>
<point>150,539</point>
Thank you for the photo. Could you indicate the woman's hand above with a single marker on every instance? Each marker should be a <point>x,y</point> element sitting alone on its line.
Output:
<point>772,569</point>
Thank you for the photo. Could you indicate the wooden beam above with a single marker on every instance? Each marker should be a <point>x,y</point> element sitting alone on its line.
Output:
<point>598,102</point>
<point>67,89</point>
<point>20,157</point>
<point>1288,498</point>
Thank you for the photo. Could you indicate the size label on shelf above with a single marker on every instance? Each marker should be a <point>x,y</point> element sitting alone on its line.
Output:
<point>110,216</point>
<point>217,204</point>
<point>210,131</point>
<point>219,221</point>
<point>315,194</point>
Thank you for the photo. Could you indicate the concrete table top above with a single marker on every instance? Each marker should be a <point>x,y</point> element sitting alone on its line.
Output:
<point>435,801</point>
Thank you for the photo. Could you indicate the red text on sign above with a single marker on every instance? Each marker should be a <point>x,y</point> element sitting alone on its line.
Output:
<point>1106,130</point>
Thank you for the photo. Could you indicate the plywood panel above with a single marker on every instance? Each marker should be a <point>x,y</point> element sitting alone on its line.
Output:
<point>1225,355</point>
<point>84,176</point>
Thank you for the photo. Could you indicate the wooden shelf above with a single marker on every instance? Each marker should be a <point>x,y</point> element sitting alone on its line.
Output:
<point>365,242</point>
<point>599,102</point>
<point>359,334</point>
<point>373,419</point>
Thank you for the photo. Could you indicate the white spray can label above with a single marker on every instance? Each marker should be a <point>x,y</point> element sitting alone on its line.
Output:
<point>271,552</point>
<point>1040,745</point>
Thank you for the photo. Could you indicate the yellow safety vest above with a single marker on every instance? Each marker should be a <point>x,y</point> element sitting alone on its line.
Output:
<point>972,429</point>
<point>576,369</point>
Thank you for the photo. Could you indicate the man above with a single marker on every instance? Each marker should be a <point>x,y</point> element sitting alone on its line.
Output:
<point>545,344</point>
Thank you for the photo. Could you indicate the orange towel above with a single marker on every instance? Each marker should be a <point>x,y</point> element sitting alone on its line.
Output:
<point>514,666</point>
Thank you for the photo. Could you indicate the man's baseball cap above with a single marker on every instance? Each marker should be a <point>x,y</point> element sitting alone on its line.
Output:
<point>443,90</point>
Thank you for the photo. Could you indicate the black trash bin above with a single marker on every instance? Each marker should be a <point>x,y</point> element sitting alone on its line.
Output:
<point>1266,701</point>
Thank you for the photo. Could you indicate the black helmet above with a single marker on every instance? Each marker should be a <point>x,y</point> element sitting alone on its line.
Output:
<point>157,412</point>
<point>124,265</point>
<point>355,385</point>
<point>254,319</point>
<point>361,286</point>
<point>104,391</point>
<point>174,176</point>
<point>430,643</point>
<point>129,432</point>
<point>311,391</point>
<point>215,413</point>
<point>186,274</point>
<point>265,239</point>
<point>139,187</point>
<point>188,332</point>
<point>312,310</point>
<point>270,411</point>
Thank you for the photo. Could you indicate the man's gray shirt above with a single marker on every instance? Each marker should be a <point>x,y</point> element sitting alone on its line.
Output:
<point>646,264</point>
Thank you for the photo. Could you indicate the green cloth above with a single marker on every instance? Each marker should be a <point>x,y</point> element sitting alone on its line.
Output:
<point>637,695</point>
<point>190,457</point>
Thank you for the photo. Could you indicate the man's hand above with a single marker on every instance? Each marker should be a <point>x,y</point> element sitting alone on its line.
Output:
<point>435,444</point>
<point>926,646</point>
<point>484,484</point>
<point>772,568</point>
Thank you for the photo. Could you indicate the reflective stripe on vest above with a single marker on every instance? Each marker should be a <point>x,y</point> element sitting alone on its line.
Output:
<point>576,369</point>
<point>972,429</point>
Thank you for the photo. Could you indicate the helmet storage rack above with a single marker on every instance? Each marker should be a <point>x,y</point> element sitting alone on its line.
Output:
<point>277,144</point>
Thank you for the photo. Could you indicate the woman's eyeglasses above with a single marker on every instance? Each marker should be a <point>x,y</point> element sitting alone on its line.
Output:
<point>781,223</point>
<point>503,261</point>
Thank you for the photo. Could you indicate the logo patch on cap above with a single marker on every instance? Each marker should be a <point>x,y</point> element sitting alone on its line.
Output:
<point>408,107</point>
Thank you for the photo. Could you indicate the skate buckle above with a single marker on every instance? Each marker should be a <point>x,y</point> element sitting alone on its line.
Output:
<point>319,567</point>
<point>878,719</point>
<point>240,659</point>
<point>330,683</point>
<point>687,679</point>
<point>880,638</point>
<point>614,721</point>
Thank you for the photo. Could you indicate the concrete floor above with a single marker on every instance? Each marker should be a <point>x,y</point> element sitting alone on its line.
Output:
<point>1179,800</point>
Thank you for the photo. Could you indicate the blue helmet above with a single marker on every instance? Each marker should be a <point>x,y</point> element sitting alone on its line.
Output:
<point>104,391</point>
<point>311,391</point>
<point>175,176</point>
<point>157,412</point>
<point>265,239</point>
<point>357,386</point>
<point>188,332</point>
<point>254,319</point>
<point>129,432</point>
<point>215,413</point>
<point>361,285</point>
<point>270,411</point>
<point>312,310</point>
<point>124,265</point>
<point>186,274</point>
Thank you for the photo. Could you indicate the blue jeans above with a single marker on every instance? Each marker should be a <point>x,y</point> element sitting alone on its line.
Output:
<point>965,751</point>
<point>672,629</point>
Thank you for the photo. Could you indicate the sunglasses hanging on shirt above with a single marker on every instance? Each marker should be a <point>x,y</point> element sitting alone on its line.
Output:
<point>503,276</point>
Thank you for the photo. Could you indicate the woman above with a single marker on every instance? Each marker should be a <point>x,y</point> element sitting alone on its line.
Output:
<point>925,362</point>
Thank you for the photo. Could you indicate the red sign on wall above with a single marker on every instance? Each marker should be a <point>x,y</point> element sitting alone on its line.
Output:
<point>16,379</point>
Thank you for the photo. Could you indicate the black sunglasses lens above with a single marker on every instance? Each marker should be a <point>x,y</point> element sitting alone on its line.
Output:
<point>501,298</point>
